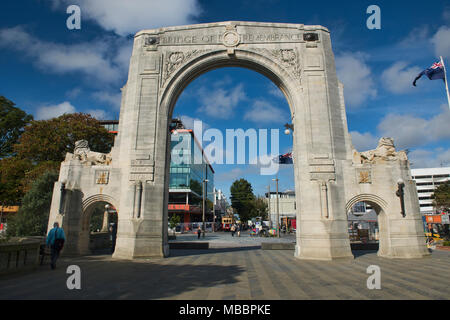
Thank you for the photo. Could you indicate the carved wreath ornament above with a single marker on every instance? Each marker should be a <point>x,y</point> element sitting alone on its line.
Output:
<point>174,60</point>
<point>287,58</point>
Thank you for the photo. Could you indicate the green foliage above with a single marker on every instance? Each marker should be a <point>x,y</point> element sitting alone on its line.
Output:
<point>12,123</point>
<point>42,147</point>
<point>261,208</point>
<point>174,221</point>
<point>32,218</point>
<point>12,175</point>
<point>50,140</point>
<point>243,199</point>
<point>96,222</point>
<point>441,197</point>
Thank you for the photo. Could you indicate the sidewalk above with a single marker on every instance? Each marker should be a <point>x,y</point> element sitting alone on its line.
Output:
<point>236,274</point>
<point>222,239</point>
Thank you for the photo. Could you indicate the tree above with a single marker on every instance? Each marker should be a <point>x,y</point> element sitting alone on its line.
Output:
<point>32,218</point>
<point>261,208</point>
<point>242,199</point>
<point>12,123</point>
<point>441,197</point>
<point>43,146</point>
<point>12,175</point>
<point>50,140</point>
<point>173,222</point>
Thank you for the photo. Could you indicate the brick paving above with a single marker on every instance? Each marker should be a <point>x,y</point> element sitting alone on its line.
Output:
<point>236,273</point>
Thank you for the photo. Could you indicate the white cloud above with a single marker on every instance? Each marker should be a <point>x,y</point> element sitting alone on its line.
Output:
<point>421,158</point>
<point>219,102</point>
<point>92,59</point>
<point>99,114</point>
<point>398,78</point>
<point>113,99</point>
<point>74,93</point>
<point>409,131</point>
<point>188,122</point>
<point>264,112</point>
<point>54,111</point>
<point>128,17</point>
<point>363,141</point>
<point>356,76</point>
<point>275,91</point>
<point>441,42</point>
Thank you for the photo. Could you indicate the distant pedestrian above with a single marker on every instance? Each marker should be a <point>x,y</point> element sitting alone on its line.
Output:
<point>199,232</point>
<point>55,240</point>
<point>113,230</point>
<point>239,228</point>
<point>233,230</point>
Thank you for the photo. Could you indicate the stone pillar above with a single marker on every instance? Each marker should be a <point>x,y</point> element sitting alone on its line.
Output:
<point>105,226</point>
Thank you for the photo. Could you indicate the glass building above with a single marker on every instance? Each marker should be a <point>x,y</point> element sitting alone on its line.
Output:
<point>188,168</point>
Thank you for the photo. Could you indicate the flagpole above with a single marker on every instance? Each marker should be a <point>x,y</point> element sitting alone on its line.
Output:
<point>446,83</point>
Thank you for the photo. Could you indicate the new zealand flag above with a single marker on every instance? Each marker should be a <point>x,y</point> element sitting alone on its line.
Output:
<point>436,71</point>
<point>285,158</point>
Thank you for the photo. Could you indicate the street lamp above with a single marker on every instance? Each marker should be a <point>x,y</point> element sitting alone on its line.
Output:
<point>401,194</point>
<point>278,209</point>
<point>289,127</point>
<point>204,201</point>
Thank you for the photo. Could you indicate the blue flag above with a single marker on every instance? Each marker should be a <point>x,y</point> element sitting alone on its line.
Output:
<point>436,71</point>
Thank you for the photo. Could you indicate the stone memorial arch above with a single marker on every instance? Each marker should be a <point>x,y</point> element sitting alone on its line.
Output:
<point>330,176</point>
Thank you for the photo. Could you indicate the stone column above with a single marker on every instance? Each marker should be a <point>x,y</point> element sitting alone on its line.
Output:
<point>105,226</point>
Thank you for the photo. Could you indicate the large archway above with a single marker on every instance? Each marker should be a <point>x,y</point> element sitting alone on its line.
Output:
<point>300,65</point>
<point>299,60</point>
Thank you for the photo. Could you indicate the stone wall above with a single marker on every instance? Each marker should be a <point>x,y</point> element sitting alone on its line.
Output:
<point>19,255</point>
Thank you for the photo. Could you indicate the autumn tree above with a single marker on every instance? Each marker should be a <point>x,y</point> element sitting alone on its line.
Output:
<point>50,140</point>
<point>12,123</point>
<point>43,146</point>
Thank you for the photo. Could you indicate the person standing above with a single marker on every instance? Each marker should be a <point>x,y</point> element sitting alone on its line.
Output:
<point>233,230</point>
<point>239,228</point>
<point>55,240</point>
<point>113,230</point>
<point>199,232</point>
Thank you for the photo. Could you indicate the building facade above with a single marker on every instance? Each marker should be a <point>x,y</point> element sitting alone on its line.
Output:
<point>188,169</point>
<point>427,180</point>
<point>286,207</point>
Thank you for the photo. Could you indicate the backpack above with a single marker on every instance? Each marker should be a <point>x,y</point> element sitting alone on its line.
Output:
<point>59,243</point>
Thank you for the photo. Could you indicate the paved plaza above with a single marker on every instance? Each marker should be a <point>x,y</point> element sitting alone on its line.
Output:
<point>225,239</point>
<point>235,273</point>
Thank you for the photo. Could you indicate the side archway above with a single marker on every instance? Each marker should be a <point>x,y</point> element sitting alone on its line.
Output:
<point>89,206</point>
<point>380,206</point>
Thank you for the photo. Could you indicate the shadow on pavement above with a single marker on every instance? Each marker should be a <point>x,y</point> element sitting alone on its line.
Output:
<point>360,253</point>
<point>103,278</point>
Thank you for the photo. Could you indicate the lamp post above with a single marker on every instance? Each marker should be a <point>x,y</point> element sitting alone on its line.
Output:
<point>204,201</point>
<point>270,211</point>
<point>401,194</point>
<point>278,209</point>
<point>214,211</point>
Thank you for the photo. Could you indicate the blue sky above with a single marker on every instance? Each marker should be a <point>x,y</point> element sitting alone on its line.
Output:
<point>48,70</point>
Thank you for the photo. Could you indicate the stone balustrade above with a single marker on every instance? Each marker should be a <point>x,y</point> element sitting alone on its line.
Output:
<point>19,254</point>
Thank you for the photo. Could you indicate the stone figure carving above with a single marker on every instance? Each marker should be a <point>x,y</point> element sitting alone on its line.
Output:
<point>385,151</point>
<point>86,156</point>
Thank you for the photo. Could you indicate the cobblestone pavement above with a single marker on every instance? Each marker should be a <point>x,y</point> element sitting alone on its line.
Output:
<point>235,274</point>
